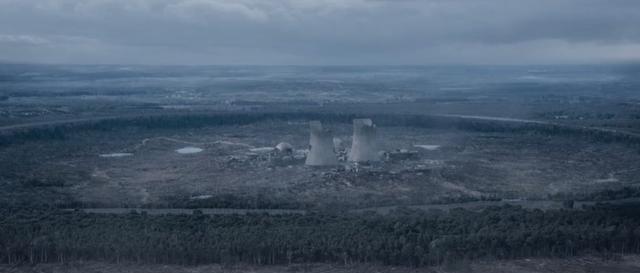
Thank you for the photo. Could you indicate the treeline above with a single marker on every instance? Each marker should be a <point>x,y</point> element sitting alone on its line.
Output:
<point>183,121</point>
<point>615,194</point>
<point>38,134</point>
<point>228,200</point>
<point>603,195</point>
<point>408,237</point>
<point>37,194</point>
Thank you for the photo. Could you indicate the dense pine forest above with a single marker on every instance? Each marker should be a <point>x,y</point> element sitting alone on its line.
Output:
<point>406,237</point>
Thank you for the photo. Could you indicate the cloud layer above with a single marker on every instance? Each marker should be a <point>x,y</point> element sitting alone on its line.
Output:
<point>319,31</point>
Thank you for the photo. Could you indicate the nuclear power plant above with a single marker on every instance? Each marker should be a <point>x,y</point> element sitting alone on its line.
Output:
<point>364,147</point>
<point>321,150</point>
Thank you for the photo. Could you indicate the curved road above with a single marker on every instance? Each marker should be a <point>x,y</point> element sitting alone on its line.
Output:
<point>31,125</point>
<point>515,120</point>
<point>37,124</point>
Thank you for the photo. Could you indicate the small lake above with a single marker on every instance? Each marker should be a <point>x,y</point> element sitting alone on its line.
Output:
<point>116,155</point>
<point>428,147</point>
<point>189,150</point>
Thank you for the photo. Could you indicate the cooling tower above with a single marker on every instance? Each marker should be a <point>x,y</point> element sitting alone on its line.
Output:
<point>321,152</point>
<point>364,146</point>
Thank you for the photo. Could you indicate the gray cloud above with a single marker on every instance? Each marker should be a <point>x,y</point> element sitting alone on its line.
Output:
<point>319,31</point>
<point>22,40</point>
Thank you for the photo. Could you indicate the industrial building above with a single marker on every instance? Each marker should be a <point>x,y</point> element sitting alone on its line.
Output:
<point>364,147</point>
<point>321,150</point>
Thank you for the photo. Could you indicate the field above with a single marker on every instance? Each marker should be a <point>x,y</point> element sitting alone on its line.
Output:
<point>185,158</point>
<point>135,167</point>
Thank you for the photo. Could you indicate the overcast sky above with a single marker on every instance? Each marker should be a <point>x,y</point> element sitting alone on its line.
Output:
<point>320,31</point>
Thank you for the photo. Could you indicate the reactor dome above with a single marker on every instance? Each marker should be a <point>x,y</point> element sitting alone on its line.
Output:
<point>284,147</point>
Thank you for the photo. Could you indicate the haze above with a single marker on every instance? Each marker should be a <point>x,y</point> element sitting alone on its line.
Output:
<point>319,32</point>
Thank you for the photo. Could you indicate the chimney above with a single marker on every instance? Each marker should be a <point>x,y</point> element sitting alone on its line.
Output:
<point>364,147</point>
<point>321,152</point>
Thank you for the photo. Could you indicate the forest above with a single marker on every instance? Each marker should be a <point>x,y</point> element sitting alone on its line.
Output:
<point>405,237</point>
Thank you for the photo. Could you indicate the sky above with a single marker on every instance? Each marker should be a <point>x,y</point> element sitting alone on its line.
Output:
<point>319,32</point>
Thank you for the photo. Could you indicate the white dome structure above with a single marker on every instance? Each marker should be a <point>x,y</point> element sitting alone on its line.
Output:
<point>284,147</point>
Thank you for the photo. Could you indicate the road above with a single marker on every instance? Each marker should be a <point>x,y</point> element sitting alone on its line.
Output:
<point>209,211</point>
<point>39,124</point>
<point>540,122</point>
<point>31,125</point>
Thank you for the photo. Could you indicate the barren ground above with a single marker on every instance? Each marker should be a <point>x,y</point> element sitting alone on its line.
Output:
<point>466,164</point>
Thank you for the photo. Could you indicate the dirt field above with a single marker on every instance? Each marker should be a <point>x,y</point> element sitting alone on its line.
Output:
<point>135,166</point>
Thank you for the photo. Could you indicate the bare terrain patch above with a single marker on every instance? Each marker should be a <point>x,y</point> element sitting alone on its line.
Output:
<point>466,164</point>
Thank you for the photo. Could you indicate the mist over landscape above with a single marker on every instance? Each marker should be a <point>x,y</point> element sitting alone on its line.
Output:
<point>319,32</point>
<point>319,136</point>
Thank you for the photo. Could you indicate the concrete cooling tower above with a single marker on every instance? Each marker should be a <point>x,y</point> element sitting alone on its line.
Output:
<point>321,152</point>
<point>364,146</point>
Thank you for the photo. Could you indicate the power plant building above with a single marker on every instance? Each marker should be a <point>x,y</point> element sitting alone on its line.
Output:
<point>364,147</point>
<point>321,150</point>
